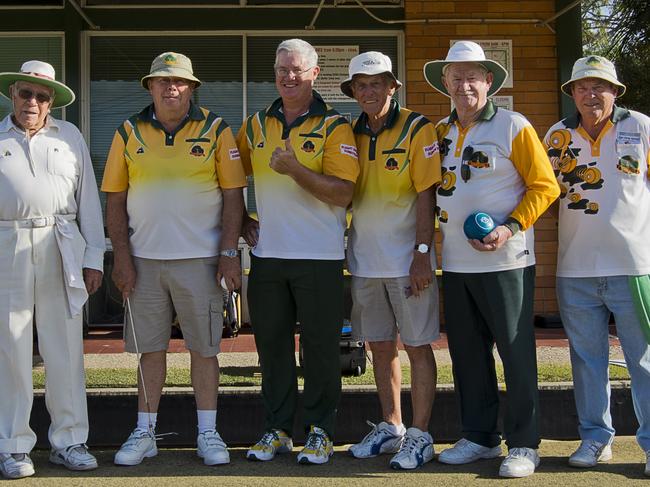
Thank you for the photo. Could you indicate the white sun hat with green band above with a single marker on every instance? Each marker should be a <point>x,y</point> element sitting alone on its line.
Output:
<point>40,73</point>
<point>464,52</point>
<point>171,65</point>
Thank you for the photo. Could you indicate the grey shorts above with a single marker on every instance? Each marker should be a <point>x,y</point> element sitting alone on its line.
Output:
<point>187,285</point>
<point>382,307</point>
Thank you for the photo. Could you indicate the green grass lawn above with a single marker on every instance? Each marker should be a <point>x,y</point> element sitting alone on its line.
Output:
<point>250,376</point>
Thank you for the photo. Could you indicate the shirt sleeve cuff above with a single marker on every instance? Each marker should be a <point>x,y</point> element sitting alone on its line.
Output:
<point>94,259</point>
<point>513,225</point>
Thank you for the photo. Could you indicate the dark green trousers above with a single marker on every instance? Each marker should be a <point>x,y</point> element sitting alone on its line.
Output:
<point>281,292</point>
<point>482,309</point>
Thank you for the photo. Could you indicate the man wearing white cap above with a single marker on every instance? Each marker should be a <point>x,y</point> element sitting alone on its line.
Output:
<point>51,258</point>
<point>600,156</point>
<point>174,181</point>
<point>492,161</point>
<point>391,256</point>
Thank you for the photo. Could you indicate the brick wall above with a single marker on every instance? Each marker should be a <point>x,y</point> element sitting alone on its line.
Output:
<point>535,89</point>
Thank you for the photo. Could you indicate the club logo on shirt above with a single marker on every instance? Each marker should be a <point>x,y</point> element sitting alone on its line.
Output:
<point>391,164</point>
<point>197,151</point>
<point>349,150</point>
<point>308,146</point>
<point>140,150</point>
<point>260,145</point>
<point>234,154</point>
<point>628,165</point>
<point>430,150</point>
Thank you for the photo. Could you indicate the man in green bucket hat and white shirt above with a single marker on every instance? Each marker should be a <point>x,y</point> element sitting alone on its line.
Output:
<point>51,258</point>
<point>600,156</point>
<point>494,162</point>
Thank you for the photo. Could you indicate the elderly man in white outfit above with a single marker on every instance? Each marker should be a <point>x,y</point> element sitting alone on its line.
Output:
<point>51,258</point>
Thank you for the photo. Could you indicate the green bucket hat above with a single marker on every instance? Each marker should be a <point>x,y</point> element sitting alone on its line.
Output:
<point>40,73</point>
<point>171,65</point>
<point>593,67</point>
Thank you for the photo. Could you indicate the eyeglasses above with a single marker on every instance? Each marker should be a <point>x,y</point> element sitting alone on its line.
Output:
<point>465,170</point>
<point>284,72</point>
<point>171,81</point>
<point>26,94</point>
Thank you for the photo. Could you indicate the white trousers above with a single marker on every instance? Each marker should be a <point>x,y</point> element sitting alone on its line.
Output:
<point>32,290</point>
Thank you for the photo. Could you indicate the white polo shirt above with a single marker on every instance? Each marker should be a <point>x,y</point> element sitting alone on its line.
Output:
<point>50,174</point>
<point>510,177</point>
<point>604,226</point>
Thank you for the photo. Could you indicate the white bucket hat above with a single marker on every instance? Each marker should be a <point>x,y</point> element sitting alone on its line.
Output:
<point>593,67</point>
<point>171,65</point>
<point>42,73</point>
<point>369,63</point>
<point>464,52</point>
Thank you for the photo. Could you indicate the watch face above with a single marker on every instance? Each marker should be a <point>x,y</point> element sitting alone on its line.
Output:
<point>423,248</point>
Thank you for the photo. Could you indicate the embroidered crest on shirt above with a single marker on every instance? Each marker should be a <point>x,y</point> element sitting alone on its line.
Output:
<point>430,150</point>
<point>140,150</point>
<point>233,154</point>
<point>197,151</point>
<point>391,164</point>
<point>308,146</point>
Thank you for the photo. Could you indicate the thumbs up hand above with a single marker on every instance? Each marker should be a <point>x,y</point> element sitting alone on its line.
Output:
<point>284,161</point>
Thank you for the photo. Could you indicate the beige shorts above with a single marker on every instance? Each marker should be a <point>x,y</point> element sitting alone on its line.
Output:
<point>187,285</point>
<point>382,307</point>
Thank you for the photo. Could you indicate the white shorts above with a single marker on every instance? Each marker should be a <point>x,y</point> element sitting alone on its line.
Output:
<point>382,307</point>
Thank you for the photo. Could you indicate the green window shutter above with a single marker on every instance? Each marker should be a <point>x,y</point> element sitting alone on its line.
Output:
<point>15,50</point>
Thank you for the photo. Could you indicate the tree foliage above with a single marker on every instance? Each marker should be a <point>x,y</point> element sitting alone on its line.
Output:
<point>620,31</point>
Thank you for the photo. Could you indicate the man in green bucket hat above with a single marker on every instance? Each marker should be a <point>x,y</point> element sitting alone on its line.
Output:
<point>600,156</point>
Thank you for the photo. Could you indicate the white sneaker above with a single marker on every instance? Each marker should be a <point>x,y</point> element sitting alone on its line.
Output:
<point>416,450</point>
<point>647,463</point>
<point>520,462</point>
<point>381,439</point>
<point>589,453</point>
<point>139,445</point>
<point>212,448</point>
<point>74,457</point>
<point>271,443</point>
<point>465,451</point>
<point>16,465</point>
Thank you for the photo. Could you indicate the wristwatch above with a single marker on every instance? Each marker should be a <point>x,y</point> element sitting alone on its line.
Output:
<point>422,248</point>
<point>229,253</point>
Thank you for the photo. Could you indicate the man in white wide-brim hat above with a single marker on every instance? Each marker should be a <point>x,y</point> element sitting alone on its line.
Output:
<point>51,258</point>
<point>394,288</point>
<point>493,162</point>
<point>600,156</point>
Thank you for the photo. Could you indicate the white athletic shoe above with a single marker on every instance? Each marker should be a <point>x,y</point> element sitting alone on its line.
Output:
<point>139,445</point>
<point>589,453</point>
<point>416,450</point>
<point>465,451</point>
<point>381,439</point>
<point>520,462</point>
<point>74,457</point>
<point>16,465</point>
<point>212,448</point>
<point>318,448</point>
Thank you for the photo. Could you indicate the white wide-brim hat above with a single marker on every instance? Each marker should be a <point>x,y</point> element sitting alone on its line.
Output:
<point>593,67</point>
<point>41,73</point>
<point>369,63</point>
<point>464,52</point>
